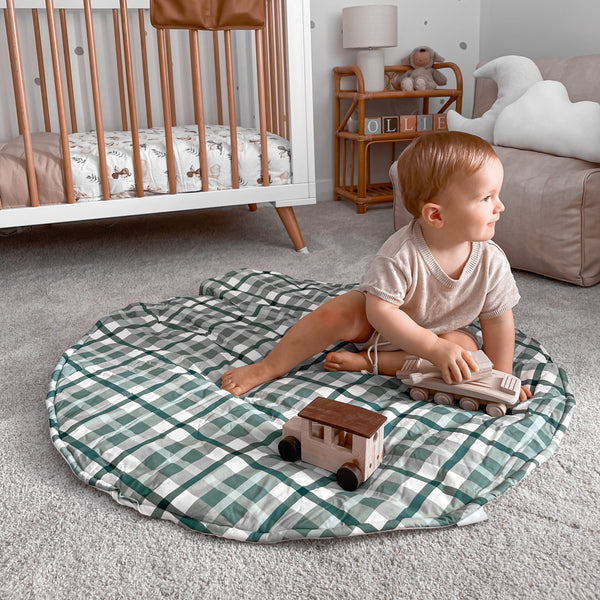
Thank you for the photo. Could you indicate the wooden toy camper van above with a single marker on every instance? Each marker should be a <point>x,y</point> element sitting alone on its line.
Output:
<point>341,438</point>
<point>496,390</point>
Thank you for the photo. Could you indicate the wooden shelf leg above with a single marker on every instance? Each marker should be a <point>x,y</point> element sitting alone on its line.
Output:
<point>288,218</point>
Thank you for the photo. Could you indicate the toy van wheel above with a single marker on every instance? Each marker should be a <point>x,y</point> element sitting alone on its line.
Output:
<point>349,477</point>
<point>419,394</point>
<point>290,448</point>
<point>469,404</point>
<point>443,398</point>
<point>495,410</point>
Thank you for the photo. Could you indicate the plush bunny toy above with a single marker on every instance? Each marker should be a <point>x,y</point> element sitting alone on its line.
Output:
<point>422,76</point>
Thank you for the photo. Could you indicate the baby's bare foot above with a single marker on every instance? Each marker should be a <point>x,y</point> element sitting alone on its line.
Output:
<point>347,361</point>
<point>239,381</point>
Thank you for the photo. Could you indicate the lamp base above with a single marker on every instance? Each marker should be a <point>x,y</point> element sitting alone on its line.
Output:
<point>370,62</point>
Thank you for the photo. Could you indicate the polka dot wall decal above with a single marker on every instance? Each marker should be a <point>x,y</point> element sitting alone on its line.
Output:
<point>463,45</point>
<point>78,50</point>
<point>36,81</point>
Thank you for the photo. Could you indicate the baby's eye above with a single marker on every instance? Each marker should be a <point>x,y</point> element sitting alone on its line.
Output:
<point>486,199</point>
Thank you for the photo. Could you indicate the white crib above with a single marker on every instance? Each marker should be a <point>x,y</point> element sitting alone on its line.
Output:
<point>109,117</point>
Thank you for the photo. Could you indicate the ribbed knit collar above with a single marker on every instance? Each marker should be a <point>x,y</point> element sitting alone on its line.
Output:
<point>435,268</point>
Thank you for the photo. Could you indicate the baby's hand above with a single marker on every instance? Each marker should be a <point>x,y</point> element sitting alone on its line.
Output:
<point>524,394</point>
<point>455,362</point>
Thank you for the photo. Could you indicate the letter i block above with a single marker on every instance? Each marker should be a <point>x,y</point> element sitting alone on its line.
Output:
<point>424,122</point>
<point>440,122</point>
<point>372,125</point>
<point>408,123</point>
<point>390,124</point>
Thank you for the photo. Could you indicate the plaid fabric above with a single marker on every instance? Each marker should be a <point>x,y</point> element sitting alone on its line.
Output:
<point>136,409</point>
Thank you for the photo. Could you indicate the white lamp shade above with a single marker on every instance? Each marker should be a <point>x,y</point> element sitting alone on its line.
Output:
<point>371,26</point>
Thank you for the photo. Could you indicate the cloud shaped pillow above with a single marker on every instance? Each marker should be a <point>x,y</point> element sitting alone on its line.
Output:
<point>513,76</point>
<point>544,119</point>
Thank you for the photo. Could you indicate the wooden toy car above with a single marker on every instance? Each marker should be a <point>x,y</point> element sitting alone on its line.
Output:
<point>342,438</point>
<point>496,390</point>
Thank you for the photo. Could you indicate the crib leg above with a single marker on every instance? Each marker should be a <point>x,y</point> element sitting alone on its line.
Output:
<point>253,207</point>
<point>287,216</point>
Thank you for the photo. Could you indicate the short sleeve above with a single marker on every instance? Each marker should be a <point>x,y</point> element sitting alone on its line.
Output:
<point>386,280</point>
<point>502,294</point>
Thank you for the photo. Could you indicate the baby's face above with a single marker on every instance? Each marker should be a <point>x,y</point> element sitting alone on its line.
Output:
<point>471,204</point>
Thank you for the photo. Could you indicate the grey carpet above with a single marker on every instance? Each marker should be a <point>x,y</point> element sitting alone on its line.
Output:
<point>61,539</point>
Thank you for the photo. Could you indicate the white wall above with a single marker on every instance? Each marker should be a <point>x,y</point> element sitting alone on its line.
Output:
<point>539,28</point>
<point>462,31</point>
<point>451,27</point>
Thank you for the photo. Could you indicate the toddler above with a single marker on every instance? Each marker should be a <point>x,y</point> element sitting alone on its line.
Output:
<point>427,282</point>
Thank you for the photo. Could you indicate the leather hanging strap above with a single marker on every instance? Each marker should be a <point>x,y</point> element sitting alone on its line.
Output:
<point>208,14</point>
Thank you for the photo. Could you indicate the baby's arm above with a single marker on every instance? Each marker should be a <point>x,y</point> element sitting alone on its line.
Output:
<point>499,344</point>
<point>397,327</point>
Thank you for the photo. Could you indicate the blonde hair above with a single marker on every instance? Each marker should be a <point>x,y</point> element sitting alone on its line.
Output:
<point>428,163</point>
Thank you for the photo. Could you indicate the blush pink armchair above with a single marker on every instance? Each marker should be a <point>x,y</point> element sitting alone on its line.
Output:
<point>551,225</point>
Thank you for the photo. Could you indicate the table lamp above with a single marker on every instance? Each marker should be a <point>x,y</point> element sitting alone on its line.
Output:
<point>370,28</point>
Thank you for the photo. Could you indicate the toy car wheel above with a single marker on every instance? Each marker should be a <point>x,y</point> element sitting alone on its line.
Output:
<point>495,410</point>
<point>349,477</point>
<point>419,394</point>
<point>442,398</point>
<point>469,404</point>
<point>289,448</point>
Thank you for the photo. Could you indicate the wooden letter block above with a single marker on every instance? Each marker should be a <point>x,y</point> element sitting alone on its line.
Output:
<point>424,122</point>
<point>372,125</point>
<point>390,124</point>
<point>408,123</point>
<point>440,122</point>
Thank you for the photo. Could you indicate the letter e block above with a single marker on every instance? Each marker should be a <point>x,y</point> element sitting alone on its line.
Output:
<point>424,122</point>
<point>440,122</point>
<point>372,125</point>
<point>408,123</point>
<point>390,124</point>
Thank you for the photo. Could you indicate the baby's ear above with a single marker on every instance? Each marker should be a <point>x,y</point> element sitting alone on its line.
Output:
<point>431,214</point>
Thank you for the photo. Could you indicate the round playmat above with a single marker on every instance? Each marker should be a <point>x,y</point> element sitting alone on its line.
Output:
<point>136,409</point>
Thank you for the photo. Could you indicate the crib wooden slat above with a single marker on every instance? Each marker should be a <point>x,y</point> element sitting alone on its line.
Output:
<point>279,58</point>
<point>164,87</point>
<point>135,138</point>
<point>41,68</point>
<point>89,25</point>
<point>272,80</point>
<point>266,76</point>
<point>14,73</point>
<point>171,78</point>
<point>60,104</point>
<point>199,106</point>
<point>262,106</point>
<point>21,99</point>
<point>218,90</point>
<point>285,74</point>
<point>68,71</point>
<point>119,64</point>
<point>235,170</point>
<point>144,51</point>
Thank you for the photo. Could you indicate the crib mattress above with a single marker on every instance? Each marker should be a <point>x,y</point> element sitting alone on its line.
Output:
<point>136,409</point>
<point>119,156</point>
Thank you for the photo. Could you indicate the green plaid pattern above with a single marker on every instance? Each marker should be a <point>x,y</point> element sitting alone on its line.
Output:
<point>136,410</point>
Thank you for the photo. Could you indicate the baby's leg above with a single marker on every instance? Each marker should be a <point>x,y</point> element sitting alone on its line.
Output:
<point>341,318</point>
<point>388,362</point>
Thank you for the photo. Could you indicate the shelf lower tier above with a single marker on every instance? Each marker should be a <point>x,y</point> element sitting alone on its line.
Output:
<point>377,193</point>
